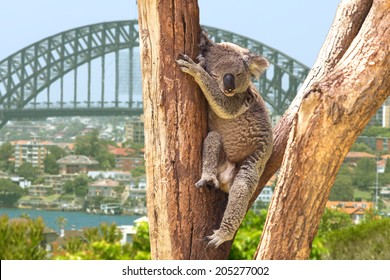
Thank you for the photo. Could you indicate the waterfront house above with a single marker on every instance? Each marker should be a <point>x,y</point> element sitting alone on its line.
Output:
<point>77,164</point>
<point>138,191</point>
<point>65,236</point>
<point>120,176</point>
<point>58,181</point>
<point>40,190</point>
<point>125,159</point>
<point>107,188</point>
<point>356,210</point>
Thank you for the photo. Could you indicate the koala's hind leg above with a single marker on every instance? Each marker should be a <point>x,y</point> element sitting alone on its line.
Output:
<point>212,150</point>
<point>239,195</point>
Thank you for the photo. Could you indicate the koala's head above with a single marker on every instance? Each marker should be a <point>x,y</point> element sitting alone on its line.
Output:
<point>231,65</point>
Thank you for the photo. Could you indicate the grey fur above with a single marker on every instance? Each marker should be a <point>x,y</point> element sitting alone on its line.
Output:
<point>239,141</point>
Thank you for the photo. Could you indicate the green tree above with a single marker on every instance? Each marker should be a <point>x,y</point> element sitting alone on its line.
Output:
<point>387,166</point>
<point>342,188</point>
<point>61,222</point>
<point>376,131</point>
<point>9,192</point>
<point>105,159</point>
<point>81,185</point>
<point>77,186</point>
<point>6,153</point>
<point>27,171</point>
<point>90,145</point>
<point>364,173</point>
<point>21,239</point>
<point>333,219</point>
<point>69,187</point>
<point>140,247</point>
<point>103,243</point>
<point>50,162</point>
<point>138,171</point>
<point>366,241</point>
<point>248,235</point>
<point>361,147</point>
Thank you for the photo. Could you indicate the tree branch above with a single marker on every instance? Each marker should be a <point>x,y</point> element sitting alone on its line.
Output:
<point>348,20</point>
<point>337,102</point>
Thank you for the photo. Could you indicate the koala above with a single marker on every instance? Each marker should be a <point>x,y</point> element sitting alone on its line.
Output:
<point>239,141</point>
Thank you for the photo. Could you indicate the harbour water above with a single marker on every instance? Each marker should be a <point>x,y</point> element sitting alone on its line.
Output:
<point>77,220</point>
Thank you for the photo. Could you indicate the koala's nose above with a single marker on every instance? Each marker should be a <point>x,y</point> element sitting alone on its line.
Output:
<point>228,83</point>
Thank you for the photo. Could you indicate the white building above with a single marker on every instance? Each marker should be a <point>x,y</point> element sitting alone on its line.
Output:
<point>266,194</point>
<point>134,130</point>
<point>33,151</point>
<point>120,176</point>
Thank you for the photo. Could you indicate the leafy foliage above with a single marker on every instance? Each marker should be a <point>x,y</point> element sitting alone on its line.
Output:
<point>90,145</point>
<point>377,131</point>
<point>6,153</point>
<point>367,241</point>
<point>248,236</point>
<point>333,220</point>
<point>361,147</point>
<point>103,243</point>
<point>21,239</point>
<point>28,171</point>
<point>9,192</point>
<point>77,186</point>
<point>50,162</point>
<point>138,171</point>
<point>140,249</point>
<point>342,188</point>
<point>364,173</point>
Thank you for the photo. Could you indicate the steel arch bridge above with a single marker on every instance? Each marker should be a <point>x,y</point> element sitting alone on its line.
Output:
<point>34,81</point>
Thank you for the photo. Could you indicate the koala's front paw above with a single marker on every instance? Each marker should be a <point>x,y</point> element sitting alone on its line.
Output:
<point>208,181</point>
<point>217,238</point>
<point>187,65</point>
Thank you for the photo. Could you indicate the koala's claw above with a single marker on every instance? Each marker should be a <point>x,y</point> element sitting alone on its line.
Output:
<point>216,239</point>
<point>210,181</point>
<point>185,57</point>
<point>187,65</point>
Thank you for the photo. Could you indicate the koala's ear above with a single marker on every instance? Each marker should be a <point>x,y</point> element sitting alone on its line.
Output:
<point>256,64</point>
<point>205,42</point>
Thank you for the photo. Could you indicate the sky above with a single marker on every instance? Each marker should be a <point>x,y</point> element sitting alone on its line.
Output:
<point>297,28</point>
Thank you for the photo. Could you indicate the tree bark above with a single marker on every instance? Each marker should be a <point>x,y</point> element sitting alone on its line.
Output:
<point>347,23</point>
<point>175,124</point>
<point>347,85</point>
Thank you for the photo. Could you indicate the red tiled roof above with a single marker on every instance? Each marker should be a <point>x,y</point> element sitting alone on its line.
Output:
<point>360,155</point>
<point>350,207</point>
<point>31,142</point>
<point>121,151</point>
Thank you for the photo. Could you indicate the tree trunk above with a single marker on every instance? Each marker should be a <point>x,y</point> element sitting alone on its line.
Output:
<point>175,124</point>
<point>350,81</point>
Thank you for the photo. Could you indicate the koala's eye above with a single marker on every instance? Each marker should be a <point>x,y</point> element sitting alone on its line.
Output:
<point>214,75</point>
<point>239,74</point>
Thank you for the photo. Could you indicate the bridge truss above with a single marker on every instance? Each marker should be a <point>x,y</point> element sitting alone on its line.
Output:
<point>106,80</point>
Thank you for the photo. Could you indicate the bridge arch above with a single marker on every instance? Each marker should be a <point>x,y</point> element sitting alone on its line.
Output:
<point>28,73</point>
